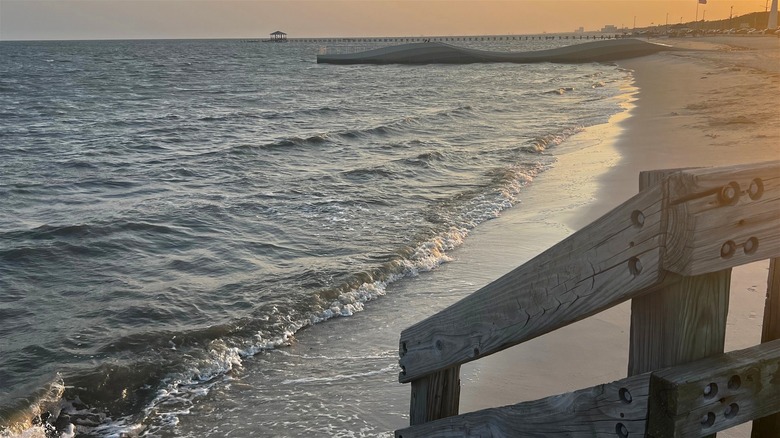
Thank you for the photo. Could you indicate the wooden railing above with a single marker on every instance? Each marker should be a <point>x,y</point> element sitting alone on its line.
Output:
<point>670,249</point>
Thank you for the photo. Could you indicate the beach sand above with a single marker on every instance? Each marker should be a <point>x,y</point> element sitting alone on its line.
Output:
<point>693,108</point>
<point>714,105</point>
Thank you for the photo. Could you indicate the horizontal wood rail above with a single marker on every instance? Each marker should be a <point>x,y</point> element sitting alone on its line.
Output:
<point>691,400</point>
<point>676,240</point>
<point>714,394</point>
<point>695,222</point>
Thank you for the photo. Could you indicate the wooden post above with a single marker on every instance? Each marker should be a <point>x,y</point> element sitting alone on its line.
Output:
<point>435,396</point>
<point>769,426</point>
<point>714,394</point>
<point>684,320</point>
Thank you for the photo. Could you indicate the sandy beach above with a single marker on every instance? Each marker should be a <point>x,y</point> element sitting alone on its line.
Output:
<point>713,105</point>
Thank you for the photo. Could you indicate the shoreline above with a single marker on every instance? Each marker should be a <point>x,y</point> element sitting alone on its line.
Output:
<point>681,115</point>
<point>596,170</point>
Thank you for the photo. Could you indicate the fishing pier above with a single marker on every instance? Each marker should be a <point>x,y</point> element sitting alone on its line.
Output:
<point>471,38</point>
<point>670,249</point>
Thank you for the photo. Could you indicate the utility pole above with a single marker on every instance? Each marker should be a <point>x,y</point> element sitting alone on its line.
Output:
<point>731,14</point>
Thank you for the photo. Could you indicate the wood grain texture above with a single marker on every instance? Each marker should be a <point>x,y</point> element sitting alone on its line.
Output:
<point>435,396</point>
<point>609,261</point>
<point>771,327</point>
<point>722,217</point>
<point>716,393</point>
<point>683,322</point>
<point>769,427</point>
<point>598,411</point>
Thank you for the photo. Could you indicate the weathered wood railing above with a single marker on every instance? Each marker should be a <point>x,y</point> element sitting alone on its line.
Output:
<point>671,249</point>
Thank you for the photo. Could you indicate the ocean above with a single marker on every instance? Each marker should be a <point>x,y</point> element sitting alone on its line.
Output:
<point>176,213</point>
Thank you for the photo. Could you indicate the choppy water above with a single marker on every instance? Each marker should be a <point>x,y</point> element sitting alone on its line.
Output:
<point>171,208</point>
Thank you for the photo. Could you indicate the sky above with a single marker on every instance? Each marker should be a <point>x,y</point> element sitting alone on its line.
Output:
<point>130,19</point>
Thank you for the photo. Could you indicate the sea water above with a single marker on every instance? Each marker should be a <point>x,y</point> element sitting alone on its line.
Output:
<point>175,212</point>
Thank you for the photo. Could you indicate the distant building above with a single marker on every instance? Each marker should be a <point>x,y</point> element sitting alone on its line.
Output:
<point>609,28</point>
<point>278,37</point>
<point>580,30</point>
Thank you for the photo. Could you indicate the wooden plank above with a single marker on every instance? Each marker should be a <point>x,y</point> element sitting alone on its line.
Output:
<point>771,327</point>
<point>614,409</point>
<point>691,400</point>
<point>613,259</point>
<point>684,320</point>
<point>715,394</point>
<point>435,396</point>
<point>769,427</point>
<point>722,217</point>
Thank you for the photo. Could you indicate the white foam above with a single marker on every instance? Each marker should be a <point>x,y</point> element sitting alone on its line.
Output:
<point>50,400</point>
<point>340,377</point>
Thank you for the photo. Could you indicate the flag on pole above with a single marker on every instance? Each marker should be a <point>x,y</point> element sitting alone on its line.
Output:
<point>704,2</point>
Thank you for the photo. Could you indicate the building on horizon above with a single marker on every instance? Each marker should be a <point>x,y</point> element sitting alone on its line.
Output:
<point>278,37</point>
<point>609,28</point>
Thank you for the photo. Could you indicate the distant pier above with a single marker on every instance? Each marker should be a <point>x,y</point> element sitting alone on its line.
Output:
<point>447,39</point>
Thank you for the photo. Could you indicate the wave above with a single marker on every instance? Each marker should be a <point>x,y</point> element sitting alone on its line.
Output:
<point>72,241</point>
<point>88,230</point>
<point>79,164</point>
<point>463,110</point>
<point>314,140</point>
<point>32,410</point>
<point>403,123</point>
<point>426,159</point>
<point>52,252</point>
<point>367,174</point>
<point>162,369</point>
<point>359,133</point>
<point>294,114</point>
<point>231,116</point>
<point>381,130</point>
<point>400,124</point>
<point>540,144</point>
<point>559,91</point>
<point>393,127</point>
<point>165,369</point>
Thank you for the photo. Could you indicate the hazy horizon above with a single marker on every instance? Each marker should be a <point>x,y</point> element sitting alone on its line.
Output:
<point>185,19</point>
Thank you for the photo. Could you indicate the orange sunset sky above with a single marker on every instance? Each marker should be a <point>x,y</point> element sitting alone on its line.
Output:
<point>109,19</point>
